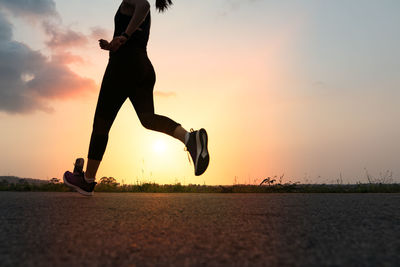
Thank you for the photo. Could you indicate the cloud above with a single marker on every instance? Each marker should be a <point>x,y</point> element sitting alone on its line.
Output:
<point>229,6</point>
<point>5,29</point>
<point>53,80</point>
<point>29,80</point>
<point>319,84</point>
<point>164,94</point>
<point>67,58</point>
<point>30,7</point>
<point>61,37</point>
<point>100,33</point>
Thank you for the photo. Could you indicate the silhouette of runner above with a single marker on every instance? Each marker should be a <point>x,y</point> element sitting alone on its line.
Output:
<point>130,74</point>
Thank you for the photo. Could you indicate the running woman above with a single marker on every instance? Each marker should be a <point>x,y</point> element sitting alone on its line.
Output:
<point>130,74</point>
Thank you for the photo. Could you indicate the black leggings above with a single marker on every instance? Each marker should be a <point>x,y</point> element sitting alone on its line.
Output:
<point>129,74</point>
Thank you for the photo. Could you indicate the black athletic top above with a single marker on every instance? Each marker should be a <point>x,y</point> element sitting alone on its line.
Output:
<point>139,38</point>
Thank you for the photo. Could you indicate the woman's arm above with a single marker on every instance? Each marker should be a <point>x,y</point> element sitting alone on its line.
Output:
<point>142,8</point>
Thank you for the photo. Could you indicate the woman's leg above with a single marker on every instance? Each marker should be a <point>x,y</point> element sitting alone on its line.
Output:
<point>143,103</point>
<point>142,100</point>
<point>162,124</point>
<point>141,97</point>
<point>91,169</point>
<point>181,134</point>
<point>109,102</point>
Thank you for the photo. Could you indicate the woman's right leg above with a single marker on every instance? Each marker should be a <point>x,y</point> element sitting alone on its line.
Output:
<point>109,102</point>
<point>180,133</point>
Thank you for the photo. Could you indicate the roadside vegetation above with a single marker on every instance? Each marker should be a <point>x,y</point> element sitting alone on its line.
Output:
<point>268,185</point>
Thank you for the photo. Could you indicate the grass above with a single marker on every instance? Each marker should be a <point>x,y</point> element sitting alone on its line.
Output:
<point>193,188</point>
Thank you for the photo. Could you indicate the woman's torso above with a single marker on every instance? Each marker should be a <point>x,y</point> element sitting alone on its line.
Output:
<point>140,37</point>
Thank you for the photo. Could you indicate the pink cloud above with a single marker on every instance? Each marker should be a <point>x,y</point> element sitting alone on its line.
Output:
<point>29,80</point>
<point>61,37</point>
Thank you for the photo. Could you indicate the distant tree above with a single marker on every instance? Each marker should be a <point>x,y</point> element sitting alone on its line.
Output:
<point>22,181</point>
<point>109,181</point>
<point>4,184</point>
<point>54,181</point>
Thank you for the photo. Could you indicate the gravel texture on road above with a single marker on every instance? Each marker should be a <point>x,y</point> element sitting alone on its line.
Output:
<point>143,229</point>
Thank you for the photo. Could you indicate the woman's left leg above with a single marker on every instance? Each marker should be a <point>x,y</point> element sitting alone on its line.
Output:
<point>162,124</point>
<point>195,142</point>
<point>143,101</point>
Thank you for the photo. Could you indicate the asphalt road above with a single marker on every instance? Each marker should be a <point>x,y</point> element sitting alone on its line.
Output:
<point>66,229</point>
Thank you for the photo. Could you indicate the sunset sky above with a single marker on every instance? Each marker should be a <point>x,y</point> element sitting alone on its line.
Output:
<point>305,88</point>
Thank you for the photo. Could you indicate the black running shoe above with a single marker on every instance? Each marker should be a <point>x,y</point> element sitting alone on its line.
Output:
<point>197,147</point>
<point>79,162</point>
<point>77,181</point>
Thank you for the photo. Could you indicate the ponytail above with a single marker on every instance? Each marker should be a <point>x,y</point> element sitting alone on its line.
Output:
<point>163,5</point>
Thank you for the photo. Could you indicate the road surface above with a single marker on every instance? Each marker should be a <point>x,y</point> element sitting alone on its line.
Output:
<point>142,229</point>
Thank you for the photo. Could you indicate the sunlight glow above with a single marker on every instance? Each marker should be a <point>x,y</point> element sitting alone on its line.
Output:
<point>159,147</point>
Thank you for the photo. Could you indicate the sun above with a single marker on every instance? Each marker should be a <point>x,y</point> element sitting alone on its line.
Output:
<point>159,146</point>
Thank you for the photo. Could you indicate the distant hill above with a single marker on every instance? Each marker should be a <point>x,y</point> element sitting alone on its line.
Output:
<point>15,180</point>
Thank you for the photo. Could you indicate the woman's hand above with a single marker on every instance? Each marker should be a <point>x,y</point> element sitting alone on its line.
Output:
<point>104,44</point>
<point>117,42</point>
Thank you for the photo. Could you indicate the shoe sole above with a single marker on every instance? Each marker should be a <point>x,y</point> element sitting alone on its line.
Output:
<point>202,157</point>
<point>77,188</point>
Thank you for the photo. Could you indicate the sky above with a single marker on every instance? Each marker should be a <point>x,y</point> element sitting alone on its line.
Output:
<point>308,89</point>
